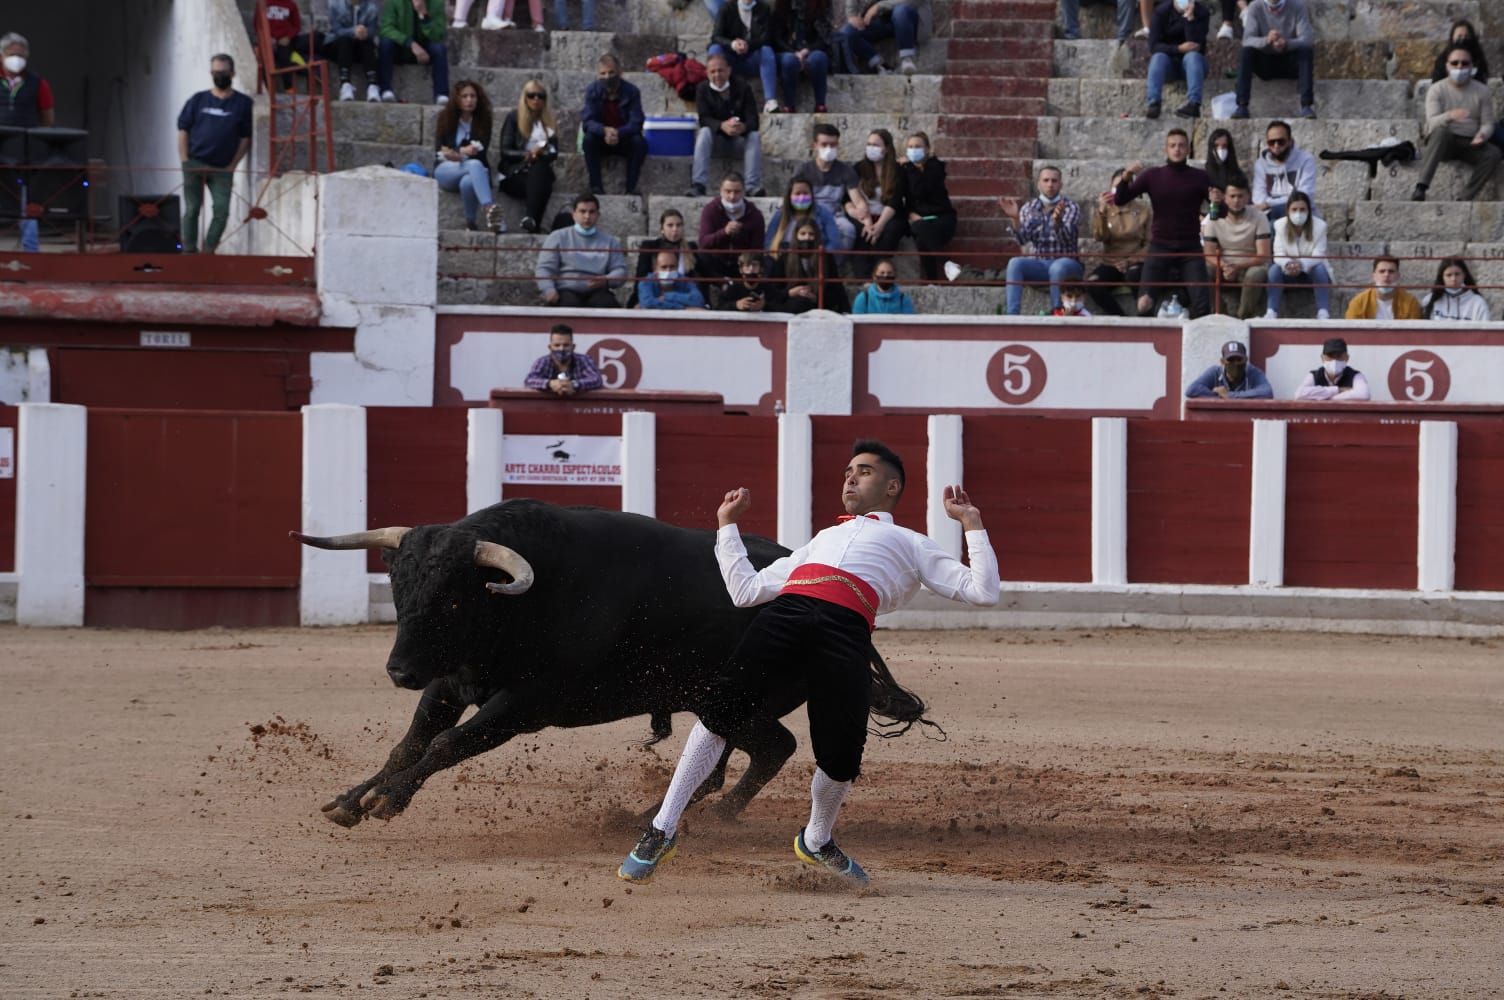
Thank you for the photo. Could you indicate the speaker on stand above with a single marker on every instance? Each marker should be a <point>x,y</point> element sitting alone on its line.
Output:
<point>150,223</point>
<point>12,173</point>
<point>59,179</point>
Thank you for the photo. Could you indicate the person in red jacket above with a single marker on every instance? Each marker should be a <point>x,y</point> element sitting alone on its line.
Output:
<point>290,46</point>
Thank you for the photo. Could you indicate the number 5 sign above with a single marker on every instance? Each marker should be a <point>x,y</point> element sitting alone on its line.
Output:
<point>620,365</point>
<point>1016,374</point>
<point>1419,377</point>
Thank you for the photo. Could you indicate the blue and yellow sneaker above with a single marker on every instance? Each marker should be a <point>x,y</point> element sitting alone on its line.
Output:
<point>653,849</point>
<point>832,859</point>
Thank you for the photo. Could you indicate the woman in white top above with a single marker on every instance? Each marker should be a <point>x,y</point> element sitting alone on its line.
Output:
<point>529,146</point>
<point>1300,256</point>
<point>1454,297</point>
<point>882,184</point>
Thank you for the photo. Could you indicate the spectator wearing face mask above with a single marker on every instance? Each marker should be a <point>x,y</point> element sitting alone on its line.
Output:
<point>882,185</point>
<point>214,134</point>
<point>1221,166</point>
<point>1335,380</point>
<point>1177,46</point>
<point>1459,122</point>
<point>1464,34</point>
<point>25,102</point>
<point>580,265</point>
<point>1050,223</point>
<point>670,237</point>
<point>808,273</point>
<point>1233,378</point>
<point>1385,300</point>
<point>1072,302</point>
<point>835,184</point>
<point>799,206</point>
<point>1280,170</point>
<point>743,34</point>
<point>750,292</point>
<point>728,123</point>
<point>729,224</point>
<point>932,218</point>
<point>667,287</point>
<point>1175,192</point>
<point>561,371</point>
<point>1239,246</point>
<point>883,294</point>
<point>612,121</point>
<point>1454,297</point>
<point>1124,235</point>
<point>1300,256</point>
<point>1278,44</point>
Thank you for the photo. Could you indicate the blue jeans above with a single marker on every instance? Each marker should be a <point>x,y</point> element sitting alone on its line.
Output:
<point>1318,277</point>
<point>1070,13</point>
<point>587,14</point>
<point>391,53</point>
<point>816,64</point>
<point>902,24</point>
<point>31,240</point>
<point>1126,10</point>
<point>1057,270</point>
<point>471,178</point>
<point>749,146</point>
<point>762,61</point>
<point>1188,66</point>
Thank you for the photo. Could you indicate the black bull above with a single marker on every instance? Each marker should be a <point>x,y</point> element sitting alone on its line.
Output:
<point>565,616</point>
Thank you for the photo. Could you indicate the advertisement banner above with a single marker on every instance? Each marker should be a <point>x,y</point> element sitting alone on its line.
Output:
<point>561,460</point>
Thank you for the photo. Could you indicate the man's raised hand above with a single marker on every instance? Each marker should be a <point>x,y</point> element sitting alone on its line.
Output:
<point>736,503</point>
<point>959,507</point>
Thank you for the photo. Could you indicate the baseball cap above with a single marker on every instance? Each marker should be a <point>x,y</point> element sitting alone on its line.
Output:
<point>1234,349</point>
<point>1334,346</point>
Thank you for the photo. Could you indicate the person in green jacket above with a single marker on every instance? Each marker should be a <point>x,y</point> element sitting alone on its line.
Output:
<point>412,31</point>
<point>883,295</point>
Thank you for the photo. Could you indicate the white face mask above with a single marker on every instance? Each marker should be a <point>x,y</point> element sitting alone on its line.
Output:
<point>874,153</point>
<point>1333,367</point>
<point>720,88</point>
<point>1461,76</point>
<point>15,64</point>
<point>826,154</point>
<point>1455,291</point>
<point>1049,200</point>
<point>734,208</point>
<point>1298,219</point>
<point>1182,5</point>
<point>1221,152</point>
<point>667,275</point>
<point>1385,291</point>
<point>1070,305</point>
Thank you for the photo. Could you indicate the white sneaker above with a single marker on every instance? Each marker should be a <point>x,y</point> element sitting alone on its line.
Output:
<point>373,93</point>
<point>347,91</point>
<point>441,100</point>
<point>1225,31</point>
<point>1323,314</point>
<point>1270,314</point>
<point>457,23</point>
<point>1141,33</point>
<point>388,97</point>
<point>770,107</point>
<point>907,67</point>
<point>538,27</point>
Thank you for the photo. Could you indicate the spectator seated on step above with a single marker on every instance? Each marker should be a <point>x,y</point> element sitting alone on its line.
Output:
<point>612,121</point>
<point>670,237</point>
<point>1278,44</point>
<point>1459,122</point>
<point>750,292</point>
<point>729,225</point>
<point>808,273</point>
<point>1072,301</point>
<point>1221,164</point>
<point>561,371</point>
<point>798,206</point>
<point>1239,245</point>
<point>1454,297</point>
<point>1070,15</point>
<point>1175,192</point>
<point>1464,34</point>
<point>1177,47</point>
<point>666,287</point>
<point>743,34</point>
<point>1335,380</point>
<point>354,26</point>
<point>580,266</point>
<point>932,218</point>
<point>1300,253</point>
<point>835,183</point>
<point>728,124</point>
<point>587,14</point>
<point>1123,232</point>
<point>1232,378</point>
<point>871,21</point>
<point>1281,169</point>
<point>882,294</point>
<point>881,181</point>
<point>1385,300</point>
<point>291,45</point>
<point>29,104</point>
<point>412,31</point>
<point>802,39</point>
<point>462,135</point>
<point>499,14</point>
<point>1232,19</point>
<point>1049,223</point>
<point>529,147</point>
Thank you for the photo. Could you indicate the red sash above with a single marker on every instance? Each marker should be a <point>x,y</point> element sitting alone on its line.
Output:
<point>836,586</point>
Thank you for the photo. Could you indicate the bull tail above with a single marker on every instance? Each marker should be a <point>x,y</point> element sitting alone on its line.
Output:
<point>662,724</point>
<point>895,709</point>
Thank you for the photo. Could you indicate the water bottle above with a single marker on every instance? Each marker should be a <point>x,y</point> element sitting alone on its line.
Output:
<point>1171,308</point>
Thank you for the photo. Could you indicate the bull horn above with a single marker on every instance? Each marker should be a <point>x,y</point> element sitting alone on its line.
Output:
<point>381,538</point>
<point>510,562</point>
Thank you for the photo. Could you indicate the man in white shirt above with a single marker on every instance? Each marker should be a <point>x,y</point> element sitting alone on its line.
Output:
<point>824,598</point>
<point>1334,380</point>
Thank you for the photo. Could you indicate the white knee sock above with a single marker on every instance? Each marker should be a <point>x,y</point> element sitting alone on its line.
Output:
<point>462,9</point>
<point>825,798</point>
<point>702,751</point>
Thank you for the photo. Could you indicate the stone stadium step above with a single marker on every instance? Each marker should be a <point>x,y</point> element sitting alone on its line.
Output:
<point>1129,138</point>
<point>991,86</point>
<point>1037,32</point>
<point>1335,99</point>
<point>1335,60</point>
<point>1345,20</point>
<point>1028,68</point>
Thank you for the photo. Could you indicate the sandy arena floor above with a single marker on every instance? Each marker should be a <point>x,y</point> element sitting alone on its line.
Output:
<point>1115,815</point>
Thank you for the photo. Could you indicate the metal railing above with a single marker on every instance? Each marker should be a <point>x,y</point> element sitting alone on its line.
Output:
<point>309,110</point>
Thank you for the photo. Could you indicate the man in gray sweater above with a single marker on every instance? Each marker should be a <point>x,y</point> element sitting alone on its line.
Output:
<point>580,266</point>
<point>1459,123</point>
<point>1278,44</point>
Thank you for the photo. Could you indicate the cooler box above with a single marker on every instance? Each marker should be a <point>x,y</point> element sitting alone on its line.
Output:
<point>671,135</point>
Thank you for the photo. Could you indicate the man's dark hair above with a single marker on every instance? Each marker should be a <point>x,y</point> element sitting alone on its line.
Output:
<point>732,175</point>
<point>1180,132</point>
<point>562,328</point>
<point>826,128</point>
<point>1277,123</point>
<point>1386,259</point>
<point>584,199</point>
<point>1466,50</point>
<point>1239,181</point>
<point>889,457</point>
<point>609,59</point>
<point>224,58</point>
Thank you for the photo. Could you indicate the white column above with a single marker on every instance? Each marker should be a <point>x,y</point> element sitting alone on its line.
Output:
<point>334,588</point>
<point>1201,343</point>
<point>51,468</point>
<point>482,458</point>
<point>38,376</point>
<point>819,364</point>
<point>1109,500</point>
<point>944,470</point>
<point>639,463</point>
<point>1436,545</point>
<point>796,456</point>
<point>1266,511</point>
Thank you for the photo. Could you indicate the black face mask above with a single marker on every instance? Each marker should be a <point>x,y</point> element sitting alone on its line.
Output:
<point>221,80</point>
<point>805,244</point>
<point>884,284</point>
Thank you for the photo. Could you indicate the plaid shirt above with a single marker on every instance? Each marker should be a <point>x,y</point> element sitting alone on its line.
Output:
<point>581,371</point>
<point>1035,226</point>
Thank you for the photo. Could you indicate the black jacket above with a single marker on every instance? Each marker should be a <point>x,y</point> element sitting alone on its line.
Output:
<point>925,189</point>
<point>736,102</point>
<point>481,133</point>
<point>729,27</point>
<point>773,299</point>
<point>796,29</point>
<point>513,148</point>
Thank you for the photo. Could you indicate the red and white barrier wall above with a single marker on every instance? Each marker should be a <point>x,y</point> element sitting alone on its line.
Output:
<point>180,518</point>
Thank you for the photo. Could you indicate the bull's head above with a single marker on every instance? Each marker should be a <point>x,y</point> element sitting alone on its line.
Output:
<point>433,613</point>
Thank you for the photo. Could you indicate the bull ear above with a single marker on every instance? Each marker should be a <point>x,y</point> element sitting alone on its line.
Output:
<point>510,562</point>
<point>381,538</point>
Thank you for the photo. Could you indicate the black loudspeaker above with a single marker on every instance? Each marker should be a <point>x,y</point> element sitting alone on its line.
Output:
<point>59,180</point>
<point>150,223</point>
<point>12,176</point>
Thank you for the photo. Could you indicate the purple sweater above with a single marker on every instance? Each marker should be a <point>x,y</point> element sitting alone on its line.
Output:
<point>1176,193</point>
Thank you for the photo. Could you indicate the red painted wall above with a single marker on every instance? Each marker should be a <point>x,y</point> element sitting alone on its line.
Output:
<point>415,468</point>
<point>833,437</point>
<point>180,379</point>
<point>1351,505</point>
<point>1188,496</point>
<point>187,514</point>
<point>1031,477</point>
<point>565,423</point>
<point>700,458</point>
<point>9,417</point>
<point>1480,499</point>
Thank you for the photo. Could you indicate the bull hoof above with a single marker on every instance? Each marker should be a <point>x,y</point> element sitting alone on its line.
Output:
<point>339,812</point>
<point>383,803</point>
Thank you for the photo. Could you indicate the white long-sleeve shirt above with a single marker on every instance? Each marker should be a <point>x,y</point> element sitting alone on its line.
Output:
<point>892,560</point>
<point>1311,392</point>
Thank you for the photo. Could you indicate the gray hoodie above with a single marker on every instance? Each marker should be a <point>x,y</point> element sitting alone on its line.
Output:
<point>1292,21</point>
